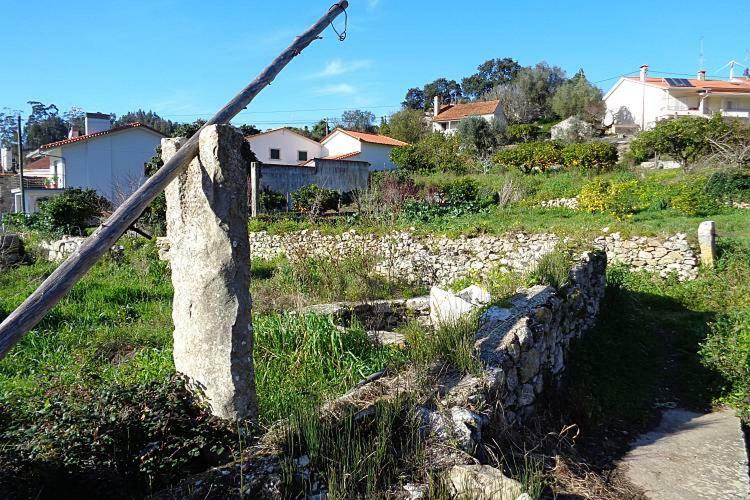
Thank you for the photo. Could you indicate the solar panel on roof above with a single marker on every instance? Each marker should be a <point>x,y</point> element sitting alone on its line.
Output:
<point>678,82</point>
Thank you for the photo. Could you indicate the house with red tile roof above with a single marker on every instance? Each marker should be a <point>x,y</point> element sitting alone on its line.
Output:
<point>639,102</point>
<point>284,146</point>
<point>110,160</point>
<point>447,117</point>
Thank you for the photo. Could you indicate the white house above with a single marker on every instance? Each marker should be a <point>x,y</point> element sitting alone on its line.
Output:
<point>110,160</point>
<point>447,117</point>
<point>358,146</point>
<point>638,102</point>
<point>283,146</point>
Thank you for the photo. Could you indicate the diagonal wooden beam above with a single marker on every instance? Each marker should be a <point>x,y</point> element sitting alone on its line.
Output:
<point>59,283</point>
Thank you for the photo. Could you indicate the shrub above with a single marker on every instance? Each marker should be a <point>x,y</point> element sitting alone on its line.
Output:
<point>590,156</point>
<point>619,198</point>
<point>71,212</point>
<point>694,199</point>
<point>530,156</point>
<point>315,200</point>
<point>521,132</point>
<point>269,200</point>
<point>729,185</point>
<point>435,153</point>
<point>461,191</point>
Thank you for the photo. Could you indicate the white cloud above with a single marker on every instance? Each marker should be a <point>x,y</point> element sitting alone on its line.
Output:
<point>372,4</point>
<point>338,67</point>
<point>341,88</point>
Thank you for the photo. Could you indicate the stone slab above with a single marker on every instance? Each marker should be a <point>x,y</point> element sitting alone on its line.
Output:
<point>691,456</point>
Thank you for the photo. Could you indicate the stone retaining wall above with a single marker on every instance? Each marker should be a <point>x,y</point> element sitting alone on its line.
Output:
<point>11,250</point>
<point>435,260</point>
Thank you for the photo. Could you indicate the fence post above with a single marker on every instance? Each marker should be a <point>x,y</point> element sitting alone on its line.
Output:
<point>254,189</point>
<point>210,256</point>
<point>707,242</point>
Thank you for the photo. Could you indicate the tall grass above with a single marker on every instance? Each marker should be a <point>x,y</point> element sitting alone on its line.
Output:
<point>451,343</point>
<point>358,455</point>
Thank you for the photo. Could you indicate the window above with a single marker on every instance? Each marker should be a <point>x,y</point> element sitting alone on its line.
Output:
<point>301,155</point>
<point>275,154</point>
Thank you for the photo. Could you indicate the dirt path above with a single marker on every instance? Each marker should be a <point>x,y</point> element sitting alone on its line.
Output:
<point>691,456</point>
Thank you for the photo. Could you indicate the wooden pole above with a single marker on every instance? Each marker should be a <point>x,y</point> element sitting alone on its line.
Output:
<point>54,288</point>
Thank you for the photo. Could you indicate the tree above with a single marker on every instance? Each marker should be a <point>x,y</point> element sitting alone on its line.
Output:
<point>685,139</point>
<point>75,118</point>
<point>188,129</point>
<point>246,129</point>
<point>44,125</point>
<point>319,130</point>
<point>8,127</point>
<point>578,97</point>
<point>479,135</point>
<point>437,152</point>
<point>414,99</point>
<point>356,119</point>
<point>448,90</point>
<point>407,125</point>
<point>528,96</point>
<point>153,120</point>
<point>490,74</point>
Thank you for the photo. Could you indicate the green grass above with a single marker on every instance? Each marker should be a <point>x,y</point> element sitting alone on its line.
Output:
<point>661,341</point>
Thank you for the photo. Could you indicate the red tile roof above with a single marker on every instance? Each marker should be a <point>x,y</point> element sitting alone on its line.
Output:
<point>371,138</point>
<point>99,134</point>
<point>455,112</point>
<point>42,163</point>
<point>719,86</point>
<point>341,157</point>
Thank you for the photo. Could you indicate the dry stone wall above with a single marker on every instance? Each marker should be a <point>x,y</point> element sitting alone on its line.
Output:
<point>438,261</point>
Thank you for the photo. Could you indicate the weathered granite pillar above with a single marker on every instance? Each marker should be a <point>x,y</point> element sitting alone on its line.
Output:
<point>210,257</point>
<point>707,242</point>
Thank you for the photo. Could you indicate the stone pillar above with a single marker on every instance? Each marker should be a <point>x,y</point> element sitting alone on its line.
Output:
<point>210,258</point>
<point>254,189</point>
<point>707,242</point>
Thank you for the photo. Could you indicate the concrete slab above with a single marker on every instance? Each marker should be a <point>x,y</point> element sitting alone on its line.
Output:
<point>691,456</point>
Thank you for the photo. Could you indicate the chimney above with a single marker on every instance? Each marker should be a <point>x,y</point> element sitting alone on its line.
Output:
<point>97,122</point>
<point>74,132</point>
<point>644,72</point>
<point>436,105</point>
<point>702,75</point>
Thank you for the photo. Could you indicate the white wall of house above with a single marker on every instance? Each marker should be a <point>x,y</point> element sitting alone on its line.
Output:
<point>378,155</point>
<point>339,143</point>
<point>34,197</point>
<point>113,164</point>
<point>289,145</point>
<point>632,102</point>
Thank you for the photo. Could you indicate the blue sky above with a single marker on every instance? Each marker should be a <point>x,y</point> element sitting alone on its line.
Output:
<point>184,58</point>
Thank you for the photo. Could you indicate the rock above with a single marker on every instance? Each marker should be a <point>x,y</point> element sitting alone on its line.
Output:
<point>707,242</point>
<point>11,250</point>
<point>467,427</point>
<point>416,491</point>
<point>475,295</point>
<point>482,482</point>
<point>209,255</point>
<point>387,338</point>
<point>446,308</point>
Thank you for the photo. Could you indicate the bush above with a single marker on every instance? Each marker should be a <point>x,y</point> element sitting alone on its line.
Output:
<point>730,185</point>
<point>315,200</point>
<point>530,156</point>
<point>590,156</point>
<point>435,153</point>
<point>619,198</point>
<point>521,132</point>
<point>460,192</point>
<point>269,200</point>
<point>71,212</point>
<point>694,199</point>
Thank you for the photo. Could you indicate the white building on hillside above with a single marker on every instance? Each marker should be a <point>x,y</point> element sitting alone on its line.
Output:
<point>110,160</point>
<point>283,146</point>
<point>638,102</point>
<point>447,117</point>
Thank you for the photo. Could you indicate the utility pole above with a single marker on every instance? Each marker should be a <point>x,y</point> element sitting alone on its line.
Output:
<point>20,165</point>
